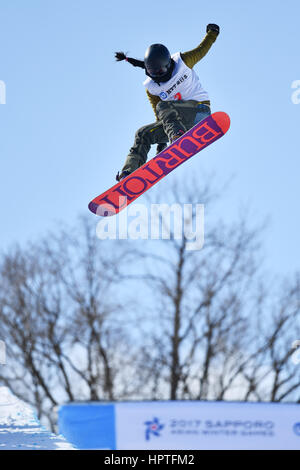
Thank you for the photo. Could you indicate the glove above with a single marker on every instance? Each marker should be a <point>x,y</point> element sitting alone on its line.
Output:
<point>160,147</point>
<point>213,27</point>
<point>120,56</point>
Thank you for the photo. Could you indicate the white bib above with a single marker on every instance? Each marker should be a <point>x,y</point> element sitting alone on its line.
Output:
<point>183,85</point>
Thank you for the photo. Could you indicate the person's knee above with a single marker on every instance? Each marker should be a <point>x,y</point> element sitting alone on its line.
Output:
<point>162,106</point>
<point>142,131</point>
<point>143,134</point>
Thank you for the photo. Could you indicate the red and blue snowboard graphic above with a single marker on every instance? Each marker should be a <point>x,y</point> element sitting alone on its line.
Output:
<point>122,194</point>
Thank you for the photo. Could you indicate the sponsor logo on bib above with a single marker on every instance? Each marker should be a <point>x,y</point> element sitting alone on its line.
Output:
<point>163,95</point>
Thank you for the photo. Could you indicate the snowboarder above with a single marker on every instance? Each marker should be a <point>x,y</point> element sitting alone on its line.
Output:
<point>175,93</point>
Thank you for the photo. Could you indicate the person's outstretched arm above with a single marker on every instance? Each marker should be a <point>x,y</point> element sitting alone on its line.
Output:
<point>192,57</point>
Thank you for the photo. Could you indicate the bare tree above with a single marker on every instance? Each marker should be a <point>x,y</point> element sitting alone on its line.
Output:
<point>63,321</point>
<point>203,342</point>
<point>85,319</point>
<point>271,375</point>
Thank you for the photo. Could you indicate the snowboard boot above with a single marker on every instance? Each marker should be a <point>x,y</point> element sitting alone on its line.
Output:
<point>161,147</point>
<point>176,136</point>
<point>172,120</point>
<point>122,175</point>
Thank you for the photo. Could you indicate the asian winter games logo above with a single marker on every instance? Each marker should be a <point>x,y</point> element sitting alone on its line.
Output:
<point>153,428</point>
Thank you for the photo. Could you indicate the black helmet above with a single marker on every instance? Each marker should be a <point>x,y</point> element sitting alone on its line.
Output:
<point>158,62</point>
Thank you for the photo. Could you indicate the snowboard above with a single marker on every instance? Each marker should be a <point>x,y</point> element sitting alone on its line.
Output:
<point>122,194</point>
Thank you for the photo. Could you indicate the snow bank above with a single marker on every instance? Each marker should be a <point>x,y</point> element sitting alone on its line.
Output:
<point>20,428</point>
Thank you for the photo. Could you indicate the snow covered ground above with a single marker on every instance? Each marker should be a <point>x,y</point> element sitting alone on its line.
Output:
<point>20,428</point>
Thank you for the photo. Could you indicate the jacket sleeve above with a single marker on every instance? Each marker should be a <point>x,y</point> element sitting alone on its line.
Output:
<point>192,57</point>
<point>154,100</point>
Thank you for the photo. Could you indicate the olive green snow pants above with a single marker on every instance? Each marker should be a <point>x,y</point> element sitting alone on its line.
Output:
<point>173,118</point>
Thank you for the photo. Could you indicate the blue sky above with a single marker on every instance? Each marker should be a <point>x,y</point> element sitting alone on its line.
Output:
<point>71,111</point>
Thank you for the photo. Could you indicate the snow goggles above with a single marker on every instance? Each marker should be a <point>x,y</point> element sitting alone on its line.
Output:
<point>156,73</point>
